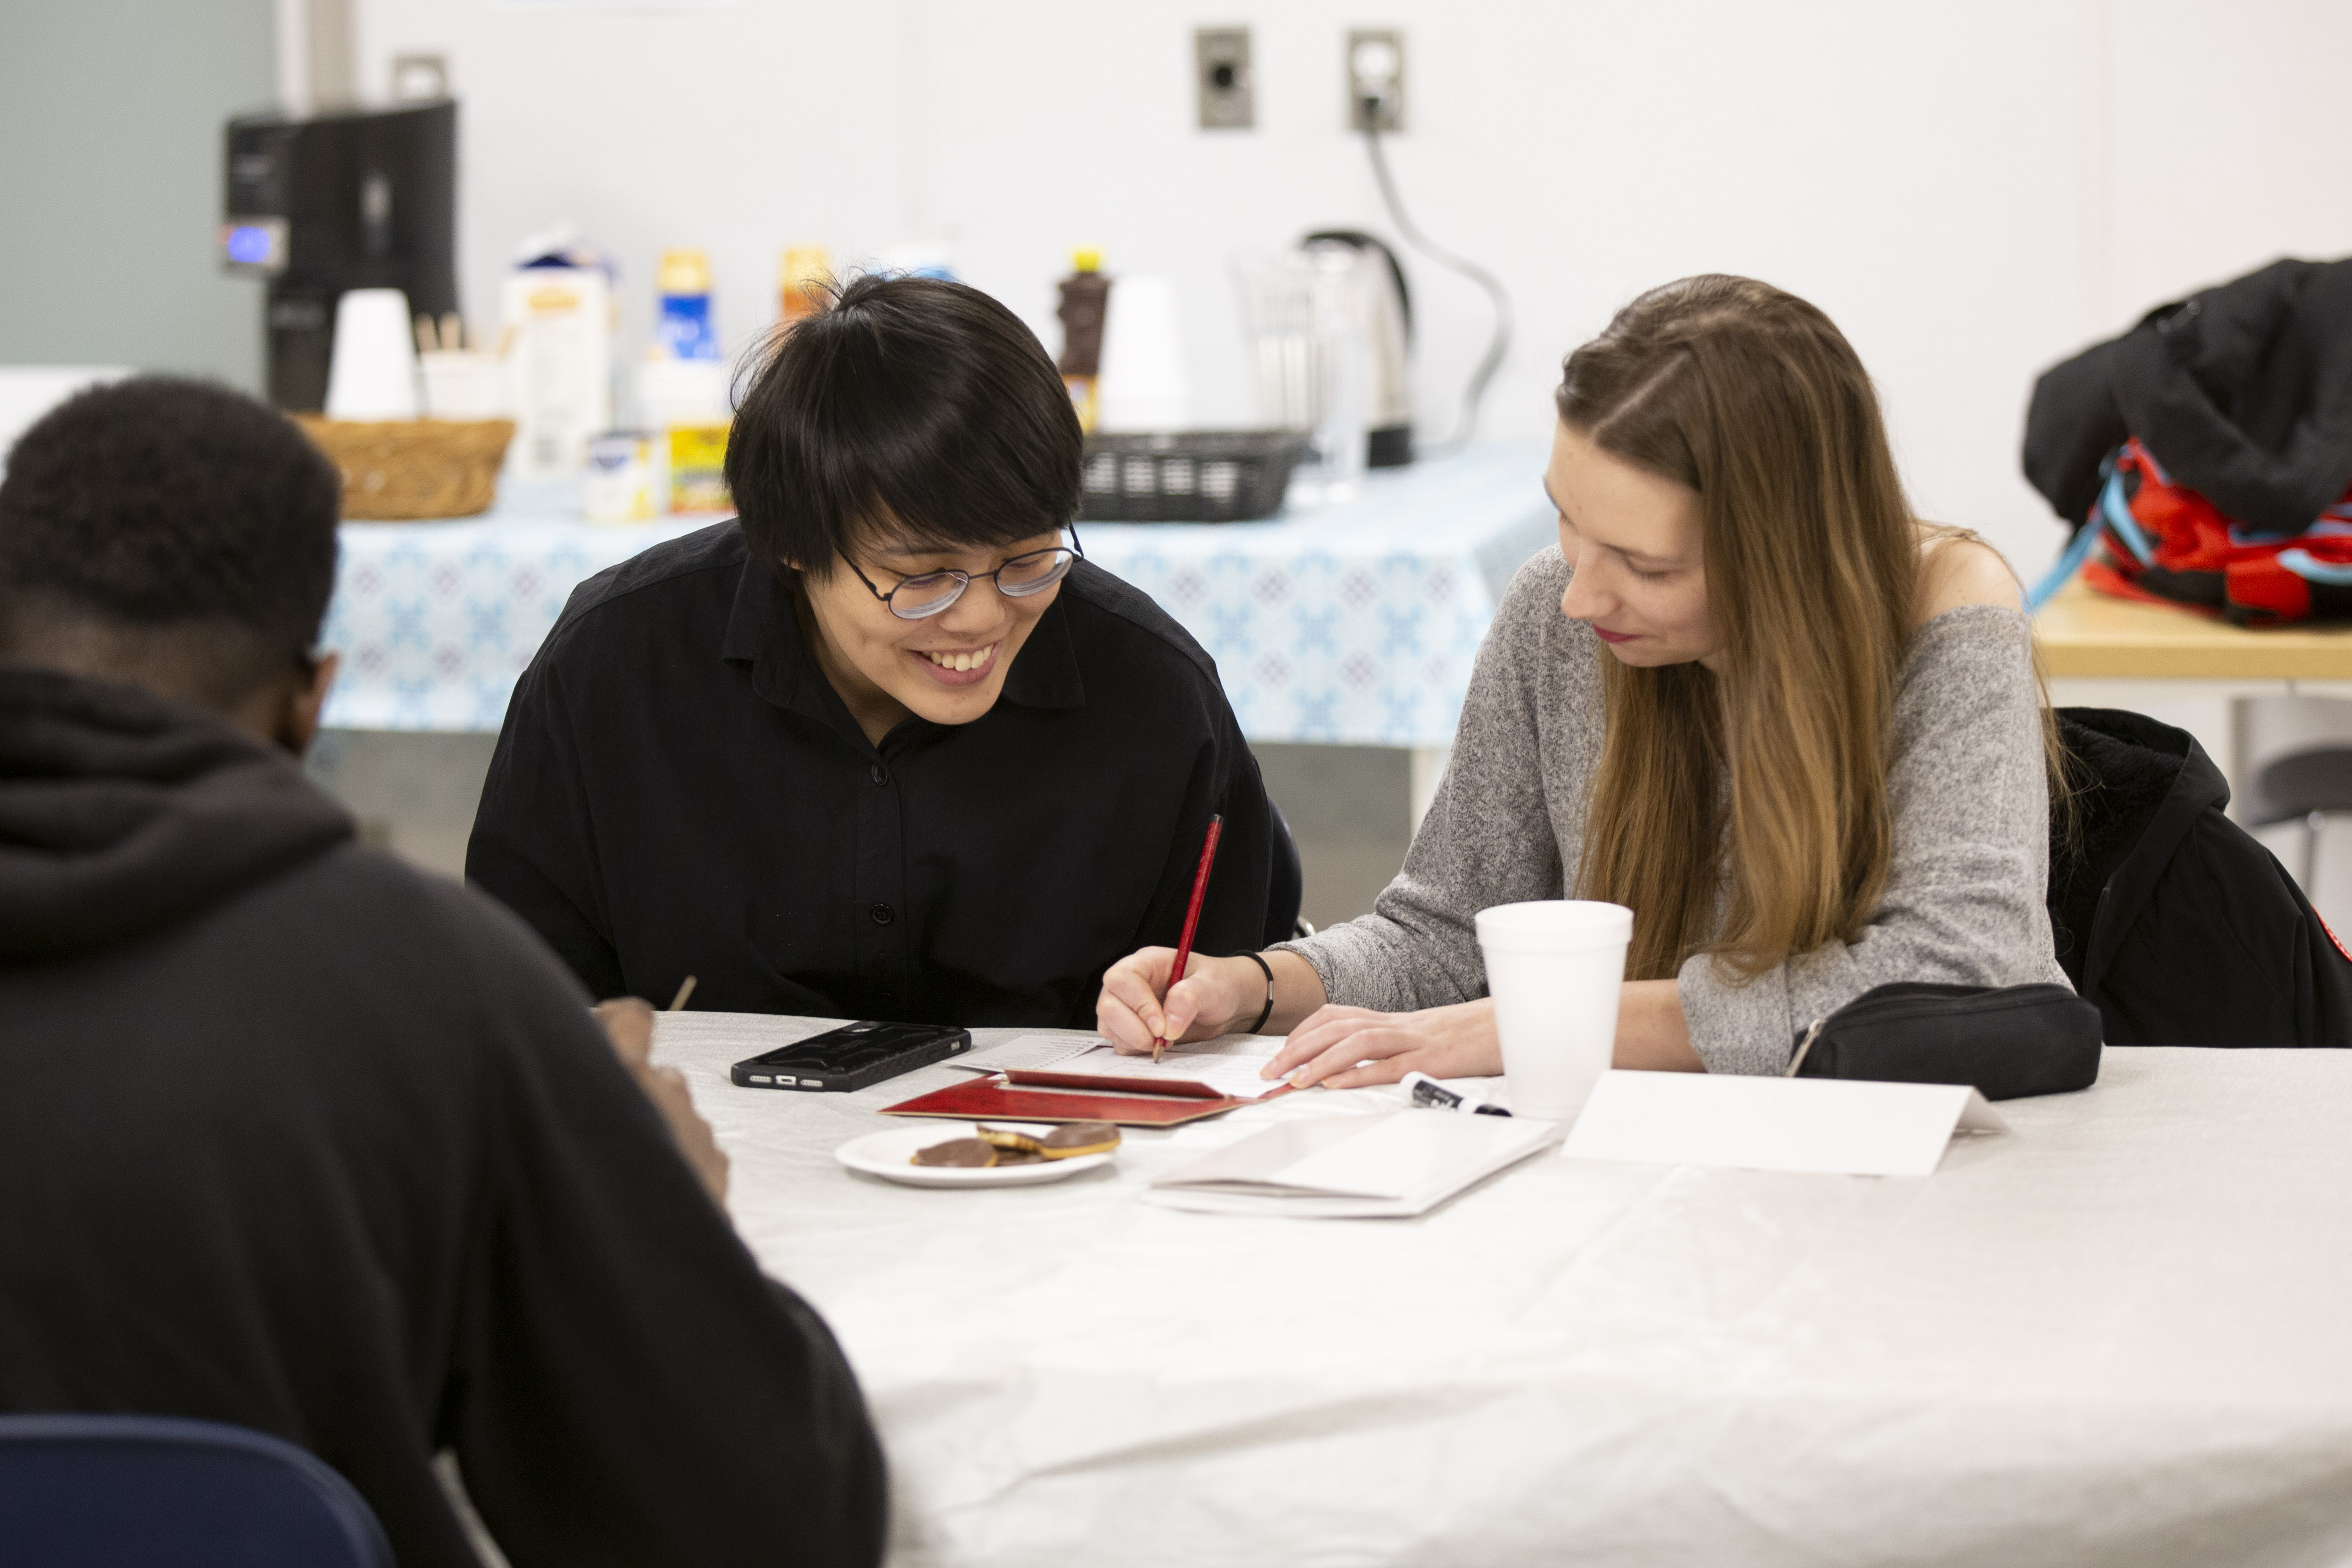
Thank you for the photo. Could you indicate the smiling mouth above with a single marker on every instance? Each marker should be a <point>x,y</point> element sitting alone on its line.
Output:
<point>1608,636</point>
<point>952,661</point>
<point>969,659</point>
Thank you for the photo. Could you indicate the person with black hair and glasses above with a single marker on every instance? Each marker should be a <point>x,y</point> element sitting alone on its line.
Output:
<point>296,1138</point>
<point>884,745</point>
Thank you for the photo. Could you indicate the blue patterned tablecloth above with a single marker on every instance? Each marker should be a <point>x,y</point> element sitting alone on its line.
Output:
<point>1352,624</point>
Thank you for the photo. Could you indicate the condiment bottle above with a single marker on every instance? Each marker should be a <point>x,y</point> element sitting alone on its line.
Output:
<point>802,272</point>
<point>684,329</point>
<point>1085,295</point>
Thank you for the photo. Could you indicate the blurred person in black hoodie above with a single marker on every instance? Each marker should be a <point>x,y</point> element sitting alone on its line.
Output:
<point>296,1138</point>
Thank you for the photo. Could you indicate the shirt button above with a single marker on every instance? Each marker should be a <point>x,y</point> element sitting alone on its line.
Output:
<point>883,914</point>
<point>879,774</point>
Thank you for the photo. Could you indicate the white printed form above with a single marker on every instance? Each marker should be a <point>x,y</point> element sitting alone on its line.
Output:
<point>1229,1065</point>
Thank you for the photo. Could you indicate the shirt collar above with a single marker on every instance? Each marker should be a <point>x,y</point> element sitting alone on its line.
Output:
<point>764,634</point>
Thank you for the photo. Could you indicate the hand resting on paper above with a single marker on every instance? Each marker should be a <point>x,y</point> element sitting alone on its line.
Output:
<point>629,1024</point>
<point>1349,1048</point>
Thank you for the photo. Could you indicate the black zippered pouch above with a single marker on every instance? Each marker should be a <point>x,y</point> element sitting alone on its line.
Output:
<point>2007,1041</point>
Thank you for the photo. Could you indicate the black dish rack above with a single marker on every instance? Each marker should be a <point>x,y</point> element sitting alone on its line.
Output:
<point>1192,476</point>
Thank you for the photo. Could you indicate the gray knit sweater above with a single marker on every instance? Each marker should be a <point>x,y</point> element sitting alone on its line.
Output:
<point>1964,893</point>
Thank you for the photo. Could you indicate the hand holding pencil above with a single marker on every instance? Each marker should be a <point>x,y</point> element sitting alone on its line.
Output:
<point>1192,914</point>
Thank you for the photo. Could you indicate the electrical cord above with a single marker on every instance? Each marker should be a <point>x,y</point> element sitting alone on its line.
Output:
<point>1474,393</point>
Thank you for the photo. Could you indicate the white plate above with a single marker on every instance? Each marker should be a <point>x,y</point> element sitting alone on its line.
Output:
<point>889,1154</point>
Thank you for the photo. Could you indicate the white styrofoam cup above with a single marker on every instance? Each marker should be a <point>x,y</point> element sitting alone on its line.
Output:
<point>371,373</point>
<point>1143,385</point>
<point>1556,969</point>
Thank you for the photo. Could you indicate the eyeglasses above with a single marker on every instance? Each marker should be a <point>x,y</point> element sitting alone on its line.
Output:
<point>919,597</point>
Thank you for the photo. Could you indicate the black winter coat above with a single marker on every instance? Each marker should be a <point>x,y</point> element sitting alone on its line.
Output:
<point>2243,391</point>
<point>2172,918</point>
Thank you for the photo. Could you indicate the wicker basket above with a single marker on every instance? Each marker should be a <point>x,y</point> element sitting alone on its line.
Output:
<point>406,470</point>
<point>1197,477</point>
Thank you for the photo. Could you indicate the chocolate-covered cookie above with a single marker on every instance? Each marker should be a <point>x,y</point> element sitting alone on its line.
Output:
<point>1071,1139</point>
<point>1006,1138</point>
<point>965,1152</point>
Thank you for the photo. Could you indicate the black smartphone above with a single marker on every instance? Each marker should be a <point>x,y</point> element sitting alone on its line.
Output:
<point>852,1056</point>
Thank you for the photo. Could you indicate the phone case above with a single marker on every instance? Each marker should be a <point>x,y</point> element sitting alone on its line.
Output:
<point>936,1044</point>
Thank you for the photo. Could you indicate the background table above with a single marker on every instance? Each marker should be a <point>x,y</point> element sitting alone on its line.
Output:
<point>2114,1336</point>
<point>1353,623</point>
<point>2184,668</point>
<point>2089,635</point>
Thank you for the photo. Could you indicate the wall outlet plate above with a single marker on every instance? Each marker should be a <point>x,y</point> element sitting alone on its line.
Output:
<point>1221,57</point>
<point>1375,68</point>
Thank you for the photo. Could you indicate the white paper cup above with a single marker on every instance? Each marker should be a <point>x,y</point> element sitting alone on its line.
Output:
<point>1143,384</point>
<point>372,373</point>
<point>1556,969</point>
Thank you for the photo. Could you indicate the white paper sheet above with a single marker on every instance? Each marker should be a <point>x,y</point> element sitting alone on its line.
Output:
<point>1229,1065</point>
<point>1826,1124</point>
<point>1034,1052</point>
<point>1358,1168</point>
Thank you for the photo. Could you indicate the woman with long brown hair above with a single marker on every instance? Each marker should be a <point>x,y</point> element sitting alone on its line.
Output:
<point>1751,696</point>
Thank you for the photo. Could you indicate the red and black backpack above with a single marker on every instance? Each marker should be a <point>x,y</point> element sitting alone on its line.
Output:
<point>2161,541</point>
<point>2205,456</point>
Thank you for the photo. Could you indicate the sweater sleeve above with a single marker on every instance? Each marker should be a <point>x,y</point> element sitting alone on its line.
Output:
<point>1964,891</point>
<point>625,1386</point>
<point>1488,837</point>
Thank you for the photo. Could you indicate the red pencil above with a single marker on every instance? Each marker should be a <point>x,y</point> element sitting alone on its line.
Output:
<point>1192,915</point>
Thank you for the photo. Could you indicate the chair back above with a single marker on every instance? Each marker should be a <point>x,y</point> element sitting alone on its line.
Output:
<point>1287,889</point>
<point>155,1491</point>
<point>2295,758</point>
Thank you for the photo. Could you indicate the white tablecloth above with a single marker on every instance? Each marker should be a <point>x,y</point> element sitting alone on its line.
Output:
<point>1352,624</point>
<point>2120,1335</point>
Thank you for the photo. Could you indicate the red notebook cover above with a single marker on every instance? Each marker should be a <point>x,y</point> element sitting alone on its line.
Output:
<point>991,1100</point>
<point>1159,1088</point>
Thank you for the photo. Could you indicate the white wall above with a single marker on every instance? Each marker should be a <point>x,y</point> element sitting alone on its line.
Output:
<point>1971,191</point>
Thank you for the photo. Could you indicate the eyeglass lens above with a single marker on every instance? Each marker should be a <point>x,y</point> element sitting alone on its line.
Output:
<point>1023,575</point>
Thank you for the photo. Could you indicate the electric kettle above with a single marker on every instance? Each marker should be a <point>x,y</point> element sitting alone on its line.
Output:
<point>1381,308</point>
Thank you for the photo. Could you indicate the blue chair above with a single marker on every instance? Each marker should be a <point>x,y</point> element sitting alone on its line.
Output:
<point>154,1491</point>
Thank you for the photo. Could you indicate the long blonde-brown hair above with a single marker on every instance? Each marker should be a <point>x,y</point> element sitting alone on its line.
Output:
<point>1763,785</point>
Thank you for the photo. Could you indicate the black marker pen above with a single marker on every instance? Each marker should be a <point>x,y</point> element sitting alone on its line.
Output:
<point>1430,1095</point>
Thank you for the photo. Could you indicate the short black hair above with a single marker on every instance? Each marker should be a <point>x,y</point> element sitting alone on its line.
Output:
<point>910,401</point>
<point>159,501</point>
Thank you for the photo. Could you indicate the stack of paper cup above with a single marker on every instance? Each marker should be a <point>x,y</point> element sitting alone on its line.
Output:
<point>372,372</point>
<point>1556,969</point>
<point>1143,386</point>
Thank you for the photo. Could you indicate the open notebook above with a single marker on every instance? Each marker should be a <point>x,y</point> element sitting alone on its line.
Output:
<point>1223,1069</point>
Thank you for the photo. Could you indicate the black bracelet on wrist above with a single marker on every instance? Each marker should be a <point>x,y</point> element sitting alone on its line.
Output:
<point>1268,1011</point>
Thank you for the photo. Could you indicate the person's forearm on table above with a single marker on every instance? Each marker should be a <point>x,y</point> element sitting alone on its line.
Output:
<point>1652,1034</point>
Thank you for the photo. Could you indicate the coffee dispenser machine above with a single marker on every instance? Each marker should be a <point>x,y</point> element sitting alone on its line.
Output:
<point>354,199</point>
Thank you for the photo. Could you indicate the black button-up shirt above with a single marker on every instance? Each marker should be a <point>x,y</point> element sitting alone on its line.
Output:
<point>678,790</point>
